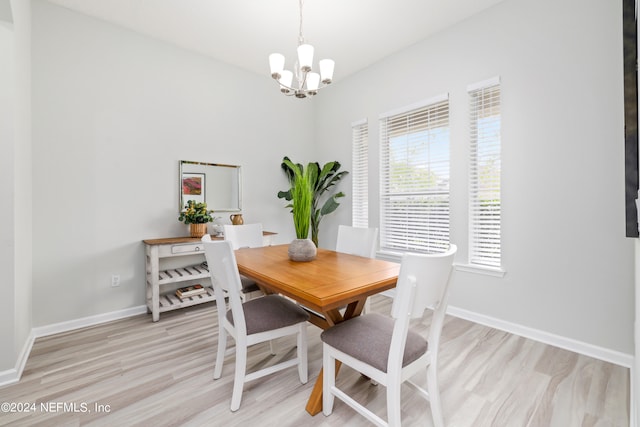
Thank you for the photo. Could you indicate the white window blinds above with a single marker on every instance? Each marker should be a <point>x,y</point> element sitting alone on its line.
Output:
<point>484,175</point>
<point>360,173</point>
<point>414,178</point>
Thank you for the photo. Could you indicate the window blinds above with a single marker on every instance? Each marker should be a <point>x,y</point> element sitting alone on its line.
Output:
<point>414,178</point>
<point>360,173</point>
<point>484,175</point>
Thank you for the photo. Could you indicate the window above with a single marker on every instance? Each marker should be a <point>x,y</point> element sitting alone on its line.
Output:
<point>484,175</point>
<point>414,178</point>
<point>360,173</point>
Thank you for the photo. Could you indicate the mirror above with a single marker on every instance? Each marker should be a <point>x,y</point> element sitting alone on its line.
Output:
<point>219,186</point>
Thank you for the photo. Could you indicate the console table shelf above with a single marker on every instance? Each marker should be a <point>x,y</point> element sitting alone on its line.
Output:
<point>174,275</point>
<point>159,253</point>
<point>170,301</point>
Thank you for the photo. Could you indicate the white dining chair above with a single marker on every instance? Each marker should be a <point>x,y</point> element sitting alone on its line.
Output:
<point>246,236</point>
<point>252,322</point>
<point>359,241</point>
<point>385,349</point>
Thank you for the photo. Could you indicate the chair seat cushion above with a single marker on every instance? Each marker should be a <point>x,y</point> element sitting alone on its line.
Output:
<point>368,339</point>
<point>248,285</point>
<point>270,312</point>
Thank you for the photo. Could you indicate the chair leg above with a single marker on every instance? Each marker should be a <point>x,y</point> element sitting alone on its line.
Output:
<point>303,371</point>
<point>222,348</point>
<point>434,395</point>
<point>393,403</point>
<point>238,381</point>
<point>328,381</point>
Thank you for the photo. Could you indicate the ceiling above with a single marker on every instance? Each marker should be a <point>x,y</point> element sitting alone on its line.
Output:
<point>354,33</point>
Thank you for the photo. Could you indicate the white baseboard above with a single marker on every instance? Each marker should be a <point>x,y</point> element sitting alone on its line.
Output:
<point>607,355</point>
<point>11,376</point>
<point>56,328</point>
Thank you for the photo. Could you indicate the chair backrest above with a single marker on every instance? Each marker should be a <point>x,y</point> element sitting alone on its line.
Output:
<point>225,278</point>
<point>357,241</point>
<point>423,282</point>
<point>244,236</point>
<point>430,273</point>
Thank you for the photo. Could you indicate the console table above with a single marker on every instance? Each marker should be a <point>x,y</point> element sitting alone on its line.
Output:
<point>162,259</point>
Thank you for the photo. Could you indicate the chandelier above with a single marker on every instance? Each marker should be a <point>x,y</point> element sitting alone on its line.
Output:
<point>308,82</point>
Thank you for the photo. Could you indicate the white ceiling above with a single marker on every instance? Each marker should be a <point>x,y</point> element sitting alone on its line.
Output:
<point>355,33</point>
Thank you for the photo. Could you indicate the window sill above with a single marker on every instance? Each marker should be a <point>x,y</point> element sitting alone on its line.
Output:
<point>389,256</point>
<point>477,269</point>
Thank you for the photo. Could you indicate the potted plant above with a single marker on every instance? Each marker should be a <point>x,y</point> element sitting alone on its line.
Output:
<point>322,179</point>
<point>301,249</point>
<point>196,216</point>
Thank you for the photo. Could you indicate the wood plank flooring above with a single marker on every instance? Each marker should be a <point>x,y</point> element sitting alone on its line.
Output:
<point>133,372</point>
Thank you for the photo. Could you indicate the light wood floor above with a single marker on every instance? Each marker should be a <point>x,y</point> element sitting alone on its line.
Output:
<point>135,372</point>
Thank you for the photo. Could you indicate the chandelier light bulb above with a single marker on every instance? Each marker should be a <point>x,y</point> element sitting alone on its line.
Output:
<point>305,57</point>
<point>276,63</point>
<point>285,81</point>
<point>326,70</point>
<point>313,81</point>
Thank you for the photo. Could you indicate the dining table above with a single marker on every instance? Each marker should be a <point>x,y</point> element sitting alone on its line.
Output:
<point>333,287</point>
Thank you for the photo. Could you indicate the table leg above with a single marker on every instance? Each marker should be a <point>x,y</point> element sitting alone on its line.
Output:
<point>314,404</point>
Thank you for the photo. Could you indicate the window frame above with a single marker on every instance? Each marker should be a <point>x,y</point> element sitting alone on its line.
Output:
<point>485,214</point>
<point>360,173</point>
<point>416,216</point>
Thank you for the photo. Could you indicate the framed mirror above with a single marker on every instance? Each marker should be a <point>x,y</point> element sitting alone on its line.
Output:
<point>219,186</point>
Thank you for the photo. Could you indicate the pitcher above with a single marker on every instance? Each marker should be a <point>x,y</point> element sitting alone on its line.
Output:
<point>236,219</point>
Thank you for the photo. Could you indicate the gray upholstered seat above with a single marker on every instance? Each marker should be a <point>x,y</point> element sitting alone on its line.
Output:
<point>368,338</point>
<point>248,285</point>
<point>270,312</point>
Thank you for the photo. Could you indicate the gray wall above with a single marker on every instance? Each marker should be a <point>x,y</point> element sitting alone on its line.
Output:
<point>569,266</point>
<point>113,113</point>
<point>7,240</point>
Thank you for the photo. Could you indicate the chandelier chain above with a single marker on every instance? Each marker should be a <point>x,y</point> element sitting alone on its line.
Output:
<point>300,37</point>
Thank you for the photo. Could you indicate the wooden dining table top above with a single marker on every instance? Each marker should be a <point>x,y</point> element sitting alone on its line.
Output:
<point>330,281</point>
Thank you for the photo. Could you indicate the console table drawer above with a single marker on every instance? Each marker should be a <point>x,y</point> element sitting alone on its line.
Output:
<point>186,249</point>
<point>178,249</point>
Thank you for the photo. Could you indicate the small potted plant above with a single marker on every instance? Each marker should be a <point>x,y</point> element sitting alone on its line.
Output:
<point>302,248</point>
<point>196,216</point>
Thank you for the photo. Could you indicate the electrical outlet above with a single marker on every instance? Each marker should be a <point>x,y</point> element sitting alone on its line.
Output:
<point>115,280</point>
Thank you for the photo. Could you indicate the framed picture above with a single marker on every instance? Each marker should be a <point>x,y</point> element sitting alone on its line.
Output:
<point>193,187</point>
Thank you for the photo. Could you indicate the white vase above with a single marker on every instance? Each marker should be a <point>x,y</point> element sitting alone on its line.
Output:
<point>302,250</point>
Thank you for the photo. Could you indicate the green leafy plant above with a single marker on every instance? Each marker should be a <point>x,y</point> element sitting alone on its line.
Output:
<point>301,197</point>
<point>322,180</point>
<point>195,213</point>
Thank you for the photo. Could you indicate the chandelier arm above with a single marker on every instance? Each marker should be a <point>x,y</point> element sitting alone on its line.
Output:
<point>321,86</point>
